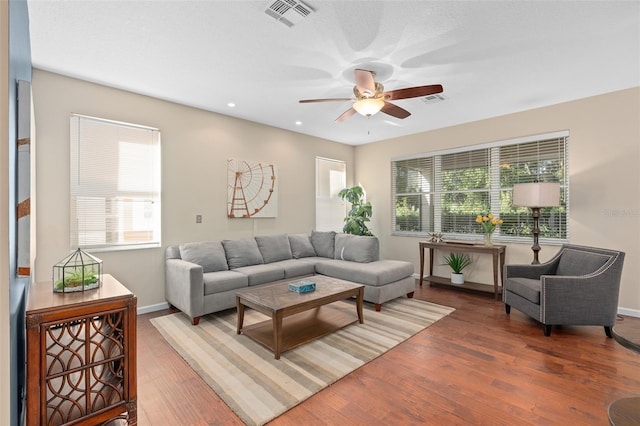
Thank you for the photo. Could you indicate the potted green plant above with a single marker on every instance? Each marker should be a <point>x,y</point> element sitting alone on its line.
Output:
<point>457,262</point>
<point>360,213</point>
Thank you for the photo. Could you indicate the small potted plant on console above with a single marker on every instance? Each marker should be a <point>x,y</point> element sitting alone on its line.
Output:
<point>457,262</point>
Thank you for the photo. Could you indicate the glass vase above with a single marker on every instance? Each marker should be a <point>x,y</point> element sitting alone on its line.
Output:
<point>487,239</point>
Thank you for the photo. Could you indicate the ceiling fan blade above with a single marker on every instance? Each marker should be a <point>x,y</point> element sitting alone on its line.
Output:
<point>395,110</point>
<point>307,101</point>
<point>348,113</point>
<point>412,92</point>
<point>365,82</point>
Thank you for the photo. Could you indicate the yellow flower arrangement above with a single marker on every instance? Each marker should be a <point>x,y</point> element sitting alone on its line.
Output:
<point>489,222</point>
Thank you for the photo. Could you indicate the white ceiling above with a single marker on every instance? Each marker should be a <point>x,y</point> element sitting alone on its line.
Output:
<point>492,57</point>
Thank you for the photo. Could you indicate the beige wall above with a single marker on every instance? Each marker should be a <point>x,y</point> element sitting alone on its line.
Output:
<point>604,167</point>
<point>195,147</point>
<point>603,161</point>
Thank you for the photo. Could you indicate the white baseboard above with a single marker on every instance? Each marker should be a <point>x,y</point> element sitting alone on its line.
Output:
<point>152,308</point>
<point>629,312</point>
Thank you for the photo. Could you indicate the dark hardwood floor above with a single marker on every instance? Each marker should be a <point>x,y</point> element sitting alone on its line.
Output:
<point>477,366</point>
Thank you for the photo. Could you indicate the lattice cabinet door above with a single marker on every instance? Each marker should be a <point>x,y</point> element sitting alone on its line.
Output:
<point>81,356</point>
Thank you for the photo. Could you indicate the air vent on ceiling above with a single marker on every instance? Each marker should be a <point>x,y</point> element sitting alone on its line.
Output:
<point>433,99</point>
<point>289,12</point>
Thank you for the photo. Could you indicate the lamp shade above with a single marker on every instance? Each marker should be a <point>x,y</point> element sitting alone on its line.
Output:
<point>368,106</point>
<point>536,194</point>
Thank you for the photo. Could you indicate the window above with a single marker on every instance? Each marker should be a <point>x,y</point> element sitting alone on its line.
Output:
<point>445,191</point>
<point>115,185</point>
<point>331,177</point>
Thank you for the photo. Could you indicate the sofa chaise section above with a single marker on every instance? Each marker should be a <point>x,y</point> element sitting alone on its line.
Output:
<point>383,280</point>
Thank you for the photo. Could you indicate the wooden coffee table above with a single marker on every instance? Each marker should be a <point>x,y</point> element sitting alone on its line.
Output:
<point>297,318</point>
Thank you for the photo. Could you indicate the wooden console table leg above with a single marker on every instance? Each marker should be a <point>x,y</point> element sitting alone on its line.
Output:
<point>495,275</point>
<point>502,255</point>
<point>431,250</point>
<point>421,264</point>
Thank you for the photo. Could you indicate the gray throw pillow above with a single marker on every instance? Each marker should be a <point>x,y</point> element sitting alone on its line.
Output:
<point>323,243</point>
<point>242,252</point>
<point>301,246</point>
<point>357,248</point>
<point>274,247</point>
<point>208,254</point>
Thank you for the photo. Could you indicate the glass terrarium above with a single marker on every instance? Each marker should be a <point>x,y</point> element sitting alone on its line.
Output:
<point>79,271</point>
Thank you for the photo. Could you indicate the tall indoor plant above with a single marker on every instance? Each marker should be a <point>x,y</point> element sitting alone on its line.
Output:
<point>360,212</point>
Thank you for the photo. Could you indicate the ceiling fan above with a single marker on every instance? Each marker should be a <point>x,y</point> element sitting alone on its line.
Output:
<point>371,97</point>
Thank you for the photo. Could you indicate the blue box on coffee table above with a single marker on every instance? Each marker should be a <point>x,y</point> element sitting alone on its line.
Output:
<point>303,286</point>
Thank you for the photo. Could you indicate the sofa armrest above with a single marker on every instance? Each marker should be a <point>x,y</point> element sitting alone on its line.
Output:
<point>184,286</point>
<point>528,271</point>
<point>588,300</point>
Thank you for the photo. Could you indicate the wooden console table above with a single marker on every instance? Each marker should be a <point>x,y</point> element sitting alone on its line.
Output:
<point>81,355</point>
<point>497,251</point>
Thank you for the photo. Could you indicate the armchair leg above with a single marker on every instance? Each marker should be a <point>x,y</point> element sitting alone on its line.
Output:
<point>607,331</point>
<point>507,308</point>
<point>547,330</point>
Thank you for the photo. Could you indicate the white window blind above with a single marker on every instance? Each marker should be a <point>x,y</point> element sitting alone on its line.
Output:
<point>444,191</point>
<point>543,161</point>
<point>115,184</point>
<point>331,177</point>
<point>464,186</point>
<point>413,183</point>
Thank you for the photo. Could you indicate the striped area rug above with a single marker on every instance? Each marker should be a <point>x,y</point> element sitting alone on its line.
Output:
<point>258,387</point>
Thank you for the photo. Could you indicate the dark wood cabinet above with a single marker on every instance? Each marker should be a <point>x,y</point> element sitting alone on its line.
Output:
<point>81,355</point>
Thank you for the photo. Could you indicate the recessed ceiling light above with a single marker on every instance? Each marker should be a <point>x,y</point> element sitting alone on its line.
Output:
<point>298,123</point>
<point>231,104</point>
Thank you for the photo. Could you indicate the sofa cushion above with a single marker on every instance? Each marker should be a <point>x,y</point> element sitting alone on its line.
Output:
<point>208,254</point>
<point>376,273</point>
<point>217,282</point>
<point>577,262</point>
<point>274,247</point>
<point>527,288</point>
<point>323,243</point>
<point>356,248</point>
<point>242,252</point>
<point>301,246</point>
<point>261,274</point>
<point>298,267</point>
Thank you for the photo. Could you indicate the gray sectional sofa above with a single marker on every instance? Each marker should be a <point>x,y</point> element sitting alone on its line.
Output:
<point>203,277</point>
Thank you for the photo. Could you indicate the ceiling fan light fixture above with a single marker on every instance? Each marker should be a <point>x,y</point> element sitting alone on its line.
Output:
<point>368,106</point>
<point>370,97</point>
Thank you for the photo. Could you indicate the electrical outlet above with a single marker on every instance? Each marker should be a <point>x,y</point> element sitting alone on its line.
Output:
<point>198,218</point>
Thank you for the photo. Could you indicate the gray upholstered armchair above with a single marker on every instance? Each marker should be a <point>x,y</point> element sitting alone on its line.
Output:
<point>578,286</point>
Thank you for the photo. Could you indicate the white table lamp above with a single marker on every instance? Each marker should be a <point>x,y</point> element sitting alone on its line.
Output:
<point>536,195</point>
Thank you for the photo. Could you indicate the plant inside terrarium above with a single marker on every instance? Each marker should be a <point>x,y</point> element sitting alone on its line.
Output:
<point>77,277</point>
